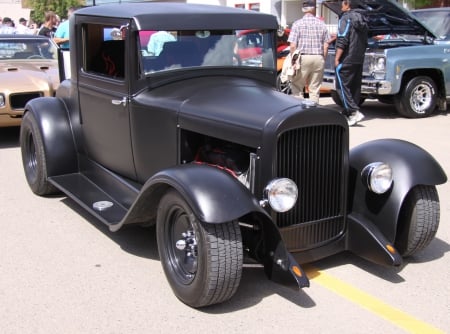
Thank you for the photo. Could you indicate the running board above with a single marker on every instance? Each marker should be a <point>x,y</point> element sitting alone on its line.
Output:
<point>103,194</point>
<point>97,202</point>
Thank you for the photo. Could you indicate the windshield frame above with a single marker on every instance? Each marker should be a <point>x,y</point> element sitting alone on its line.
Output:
<point>202,49</point>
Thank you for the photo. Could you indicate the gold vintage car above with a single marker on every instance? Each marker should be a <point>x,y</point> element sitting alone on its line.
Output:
<point>28,69</point>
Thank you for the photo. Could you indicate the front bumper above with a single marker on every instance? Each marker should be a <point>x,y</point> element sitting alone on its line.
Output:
<point>368,86</point>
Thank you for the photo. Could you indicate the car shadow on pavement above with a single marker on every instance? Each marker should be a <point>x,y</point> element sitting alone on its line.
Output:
<point>373,109</point>
<point>254,287</point>
<point>435,250</point>
<point>9,137</point>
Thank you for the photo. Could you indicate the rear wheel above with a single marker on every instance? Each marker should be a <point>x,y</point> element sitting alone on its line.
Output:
<point>202,262</point>
<point>419,220</point>
<point>33,156</point>
<point>418,98</point>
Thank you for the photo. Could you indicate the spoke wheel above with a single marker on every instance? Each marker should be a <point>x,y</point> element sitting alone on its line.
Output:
<point>284,87</point>
<point>418,99</point>
<point>202,262</point>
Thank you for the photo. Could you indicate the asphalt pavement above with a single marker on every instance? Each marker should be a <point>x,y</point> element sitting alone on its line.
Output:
<point>62,271</point>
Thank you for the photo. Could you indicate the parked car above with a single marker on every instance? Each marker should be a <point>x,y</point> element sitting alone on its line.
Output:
<point>210,153</point>
<point>28,69</point>
<point>406,68</point>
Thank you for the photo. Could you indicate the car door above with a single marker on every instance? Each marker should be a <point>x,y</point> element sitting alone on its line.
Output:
<point>104,97</point>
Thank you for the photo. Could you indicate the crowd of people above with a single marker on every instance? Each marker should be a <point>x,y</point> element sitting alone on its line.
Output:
<point>52,27</point>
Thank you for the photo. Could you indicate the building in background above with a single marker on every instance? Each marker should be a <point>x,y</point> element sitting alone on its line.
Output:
<point>14,10</point>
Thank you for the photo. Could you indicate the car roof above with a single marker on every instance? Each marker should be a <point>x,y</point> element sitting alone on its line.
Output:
<point>160,15</point>
<point>385,17</point>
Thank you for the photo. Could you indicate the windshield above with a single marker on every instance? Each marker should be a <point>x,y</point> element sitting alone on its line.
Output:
<point>27,49</point>
<point>437,21</point>
<point>169,50</point>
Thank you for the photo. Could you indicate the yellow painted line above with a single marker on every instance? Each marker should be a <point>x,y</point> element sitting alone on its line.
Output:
<point>380,308</point>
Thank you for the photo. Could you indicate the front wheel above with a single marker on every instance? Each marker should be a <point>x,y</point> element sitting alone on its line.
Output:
<point>283,86</point>
<point>202,262</point>
<point>418,221</point>
<point>33,156</point>
<point>418,98</point>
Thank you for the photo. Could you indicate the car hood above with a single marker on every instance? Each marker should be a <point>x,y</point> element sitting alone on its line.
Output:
<point>19,76</point>
<point>385,17</point>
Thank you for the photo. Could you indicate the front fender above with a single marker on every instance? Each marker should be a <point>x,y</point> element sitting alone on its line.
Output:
<point>216,197</point>
<point>411,166</point>
<point>54,125</point>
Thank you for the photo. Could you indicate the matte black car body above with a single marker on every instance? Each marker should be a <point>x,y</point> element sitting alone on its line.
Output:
<point>209,139</point>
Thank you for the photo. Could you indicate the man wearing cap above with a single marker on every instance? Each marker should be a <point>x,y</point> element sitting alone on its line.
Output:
<point>309,35</point>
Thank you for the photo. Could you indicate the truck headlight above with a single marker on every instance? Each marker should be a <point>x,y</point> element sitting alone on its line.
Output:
<point>377,176</point>
<point>281,194</point>
<point>2,100</point>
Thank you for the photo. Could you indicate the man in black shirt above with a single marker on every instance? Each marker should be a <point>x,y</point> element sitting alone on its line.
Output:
<point>351,45</point>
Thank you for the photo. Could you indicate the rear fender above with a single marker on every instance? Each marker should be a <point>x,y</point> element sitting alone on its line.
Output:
<point>411,166</point>
<point>54,125</point>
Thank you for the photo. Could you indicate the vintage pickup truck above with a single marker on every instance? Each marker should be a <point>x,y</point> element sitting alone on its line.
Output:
<point>403,64</point>
<point>198,144</point>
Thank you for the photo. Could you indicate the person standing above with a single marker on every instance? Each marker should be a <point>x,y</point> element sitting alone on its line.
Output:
<point>351,44</point>
<point>309,35</point>
<point>47,28</point>
<point>62,32</point>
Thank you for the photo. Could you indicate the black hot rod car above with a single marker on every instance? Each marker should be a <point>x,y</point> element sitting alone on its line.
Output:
<point>181,133</point>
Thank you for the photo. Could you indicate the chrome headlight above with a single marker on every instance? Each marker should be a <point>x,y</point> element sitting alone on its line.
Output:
<point>378,67</point>
<point>2,100</point>
<point>377,176</point>
<point>281,194</point>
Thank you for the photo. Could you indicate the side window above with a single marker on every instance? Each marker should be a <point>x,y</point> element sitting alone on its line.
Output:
<point>104,51</point>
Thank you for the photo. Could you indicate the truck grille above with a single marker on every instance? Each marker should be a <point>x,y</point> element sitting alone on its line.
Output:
<point>314,158</point>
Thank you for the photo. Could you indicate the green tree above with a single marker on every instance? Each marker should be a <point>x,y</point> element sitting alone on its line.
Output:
<point>39,7</point>
<point>417,4</point>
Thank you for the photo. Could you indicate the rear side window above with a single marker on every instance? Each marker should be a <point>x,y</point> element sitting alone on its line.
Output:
<point>104,50</point>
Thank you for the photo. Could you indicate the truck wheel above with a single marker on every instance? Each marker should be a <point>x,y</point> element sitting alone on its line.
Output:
<point>337,99</point>
<point>284,87</point>
<point>33,157</point>
<point>202,262</point>
<point>418,221</point>
<point>417,99</point>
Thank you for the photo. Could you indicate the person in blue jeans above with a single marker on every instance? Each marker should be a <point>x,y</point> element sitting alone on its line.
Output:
<point>351,44</point>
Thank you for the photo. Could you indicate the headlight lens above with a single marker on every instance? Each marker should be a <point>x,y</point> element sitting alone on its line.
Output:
<point>281,194</point>
<point>2,100</point>
<point>377,176</point>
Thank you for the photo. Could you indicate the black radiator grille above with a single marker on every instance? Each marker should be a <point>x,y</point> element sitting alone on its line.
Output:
<point>314,158</point>
<point>19,100</point>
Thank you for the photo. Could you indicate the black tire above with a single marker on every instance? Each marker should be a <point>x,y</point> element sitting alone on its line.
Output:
<point>284,87</point>
<point>208,270</point>
<point>417,99</point>
<point>418,221</point>
<point>33,157</point>
<point>337,99</point>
